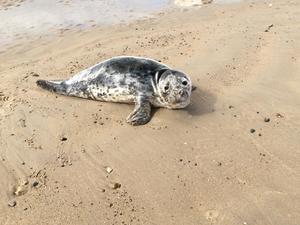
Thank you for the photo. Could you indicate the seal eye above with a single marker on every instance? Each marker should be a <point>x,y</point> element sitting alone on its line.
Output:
<point>166,87</point>
<point>184,83</point>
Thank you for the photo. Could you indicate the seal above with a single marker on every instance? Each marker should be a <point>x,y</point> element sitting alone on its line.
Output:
<point>128,79</point>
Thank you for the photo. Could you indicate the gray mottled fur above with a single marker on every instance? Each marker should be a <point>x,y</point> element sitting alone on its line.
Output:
<point>128,79</point>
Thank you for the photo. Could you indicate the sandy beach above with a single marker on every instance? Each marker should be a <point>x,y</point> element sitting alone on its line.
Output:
<point>230,158</point>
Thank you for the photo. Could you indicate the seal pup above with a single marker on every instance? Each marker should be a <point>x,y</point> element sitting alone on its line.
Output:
<point>127,79</point>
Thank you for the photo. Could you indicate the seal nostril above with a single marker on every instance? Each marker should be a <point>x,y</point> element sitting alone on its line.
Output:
<point>184,83</point>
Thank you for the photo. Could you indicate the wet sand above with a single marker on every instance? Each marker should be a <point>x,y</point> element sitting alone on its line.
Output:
<point>25,20</point>
<point>232,157</point>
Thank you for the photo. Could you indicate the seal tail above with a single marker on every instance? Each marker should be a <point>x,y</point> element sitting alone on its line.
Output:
<point>56,86</point>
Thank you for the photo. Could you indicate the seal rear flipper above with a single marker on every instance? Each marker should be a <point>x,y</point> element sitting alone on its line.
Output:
<point>57,86</point>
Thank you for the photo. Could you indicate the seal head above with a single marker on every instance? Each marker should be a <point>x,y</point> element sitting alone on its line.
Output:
<point>173,88</point>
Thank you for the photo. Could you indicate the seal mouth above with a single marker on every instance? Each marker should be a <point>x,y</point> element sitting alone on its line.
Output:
<point>180,101</point>
<point>183,94</point>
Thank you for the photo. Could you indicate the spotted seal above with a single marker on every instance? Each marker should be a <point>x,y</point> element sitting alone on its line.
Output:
<point>128,79</point>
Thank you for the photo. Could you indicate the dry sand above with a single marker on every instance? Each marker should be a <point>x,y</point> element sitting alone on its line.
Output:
<point>197,166</point>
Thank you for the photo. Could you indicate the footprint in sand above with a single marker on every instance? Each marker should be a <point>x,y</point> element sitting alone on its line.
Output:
<point>3,97</point>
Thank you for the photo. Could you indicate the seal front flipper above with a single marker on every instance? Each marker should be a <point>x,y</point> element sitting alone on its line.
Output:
<point>141,113</point>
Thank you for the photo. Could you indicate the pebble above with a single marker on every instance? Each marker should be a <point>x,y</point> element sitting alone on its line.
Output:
<point>267,120</point>
<point>35,183</point>
<point>269,27</point>
<point>109,170</point>
<point>252,130</point>
<point>12,203</point>
<point>25,182</point>
<point>21,190</point>
<point>116,186</point>
<point>278,115</point>
<point>34,74</point>
<point>64,139</point>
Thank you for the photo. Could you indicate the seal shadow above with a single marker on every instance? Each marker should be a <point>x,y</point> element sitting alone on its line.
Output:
<point>202,102</point>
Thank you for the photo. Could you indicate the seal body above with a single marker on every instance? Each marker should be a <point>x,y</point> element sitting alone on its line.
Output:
<point>128,79</point>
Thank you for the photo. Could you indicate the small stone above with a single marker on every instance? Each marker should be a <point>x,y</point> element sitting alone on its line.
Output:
<point>269,27</point>
<point>116,186</point>
<point>21,190</point>
<point>260,134</point>
<point>109,170</point>
<point>24,182</point>
<point>231,107</point>
<point>252,130</point>
<point>12,203</point>
<point>267,120</point>
<point>64,139</point>
<point>278,115</point>
<point>35,183</point>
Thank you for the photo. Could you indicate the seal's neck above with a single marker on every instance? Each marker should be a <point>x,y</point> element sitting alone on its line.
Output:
<point>156,89</point>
